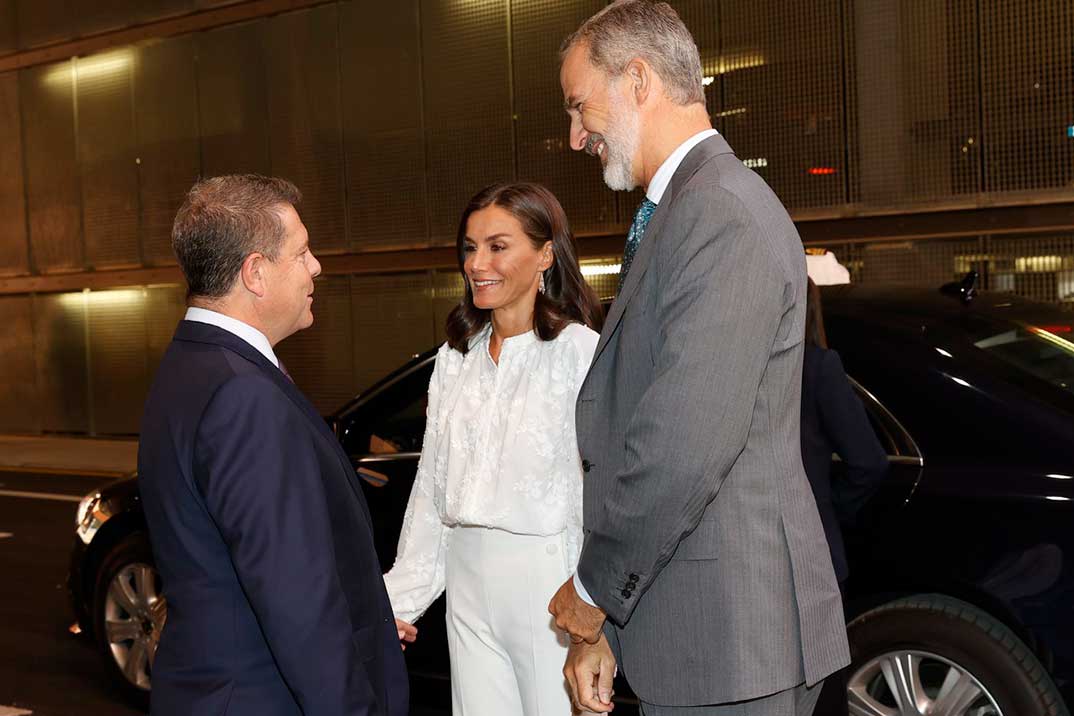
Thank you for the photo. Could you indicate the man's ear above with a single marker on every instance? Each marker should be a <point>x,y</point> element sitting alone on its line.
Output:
<point>252,274</point>
<point>641,79</point>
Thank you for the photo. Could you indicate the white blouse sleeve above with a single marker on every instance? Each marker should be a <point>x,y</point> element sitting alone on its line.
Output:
<point>417,577</point>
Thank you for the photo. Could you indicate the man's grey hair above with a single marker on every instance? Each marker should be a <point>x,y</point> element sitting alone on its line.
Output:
<point>653,31</point>
<point>225,219</point>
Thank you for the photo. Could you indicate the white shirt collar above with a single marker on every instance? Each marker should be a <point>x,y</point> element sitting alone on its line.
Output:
<point>244,331</point>
<point>660,181</point>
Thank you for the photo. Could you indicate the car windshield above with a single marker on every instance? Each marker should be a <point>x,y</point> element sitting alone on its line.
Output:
<point>1044,349</point>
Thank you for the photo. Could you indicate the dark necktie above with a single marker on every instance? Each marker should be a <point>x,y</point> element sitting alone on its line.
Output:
<point>633,239</point>
<point>283,369</point>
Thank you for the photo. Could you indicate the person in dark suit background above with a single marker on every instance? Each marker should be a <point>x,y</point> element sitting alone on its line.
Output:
<point>276,605</point>
<point>834,421</point>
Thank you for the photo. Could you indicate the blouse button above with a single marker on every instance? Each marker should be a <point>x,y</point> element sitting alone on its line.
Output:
<point>551,549</point>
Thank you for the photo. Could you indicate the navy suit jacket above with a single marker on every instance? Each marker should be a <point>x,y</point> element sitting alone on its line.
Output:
<point>834,421</point>
<point>276,604</point>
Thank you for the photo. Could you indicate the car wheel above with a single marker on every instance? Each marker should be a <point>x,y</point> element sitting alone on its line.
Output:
<point>932,654</point>
<point>129,611</point>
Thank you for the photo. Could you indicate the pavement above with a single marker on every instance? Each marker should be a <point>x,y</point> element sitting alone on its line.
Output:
<point>61,455</point>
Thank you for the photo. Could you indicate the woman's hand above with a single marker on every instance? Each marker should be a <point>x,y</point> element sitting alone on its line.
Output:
<point>407,632</point>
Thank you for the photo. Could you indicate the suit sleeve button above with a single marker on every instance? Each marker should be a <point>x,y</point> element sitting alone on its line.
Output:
<point>625,593</point>
<point>586,466</point>
<point>634,578</point>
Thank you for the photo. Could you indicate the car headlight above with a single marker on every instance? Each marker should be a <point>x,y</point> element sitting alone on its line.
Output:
<point>86,522</point>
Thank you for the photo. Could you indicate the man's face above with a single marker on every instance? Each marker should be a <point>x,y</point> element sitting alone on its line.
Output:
<point>603,122</point>
<point>289,295</point>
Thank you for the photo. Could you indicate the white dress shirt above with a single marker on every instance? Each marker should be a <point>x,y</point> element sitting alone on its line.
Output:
<point>654,193</point>
<point>500,451</point>
<point>245,331</point>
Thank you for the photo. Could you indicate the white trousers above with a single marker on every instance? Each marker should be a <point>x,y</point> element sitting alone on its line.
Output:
<point>506,653</point>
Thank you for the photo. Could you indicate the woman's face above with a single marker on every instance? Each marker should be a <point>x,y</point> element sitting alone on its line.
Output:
<point>501,264</point>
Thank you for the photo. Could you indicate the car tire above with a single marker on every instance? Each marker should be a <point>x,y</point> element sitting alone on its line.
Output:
<point>128,613</point>
<point>934,648</point>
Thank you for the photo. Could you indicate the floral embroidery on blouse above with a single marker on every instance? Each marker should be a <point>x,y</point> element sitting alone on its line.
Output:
<point>500,451</point>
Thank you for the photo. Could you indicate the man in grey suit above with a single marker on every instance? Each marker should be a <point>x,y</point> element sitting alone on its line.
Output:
<point>705,573</point>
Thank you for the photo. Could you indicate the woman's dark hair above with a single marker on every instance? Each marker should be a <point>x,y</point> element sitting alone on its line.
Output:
<point>814,320</point>
<point>567,297</point>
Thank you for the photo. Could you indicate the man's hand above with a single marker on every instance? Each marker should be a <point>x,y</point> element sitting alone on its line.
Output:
<point>590,669</point>
<point>582,621</point>
<point>407,632</point>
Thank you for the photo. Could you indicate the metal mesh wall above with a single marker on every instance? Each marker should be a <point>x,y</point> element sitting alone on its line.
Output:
<point>106,152</point>
<point>1027,65</point>
<point>59,346</point>
<point>541,126</point>
<point>321,358</point>
<point>14,258</point>
<point>393,321</point>
<point>19,407</point>
<point>166,121</point>
<point>118,369</point>
<point>382,118</point>
<point>52,179</point>
<point>914,115</point>
<point>8,30</point>
<point>232,101</point>
<point>467,103</point>
<point>780,67</point>
<point>1036,267</point>
<point>306,142</point>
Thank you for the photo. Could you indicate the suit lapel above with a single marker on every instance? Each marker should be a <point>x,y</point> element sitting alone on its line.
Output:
<point>205,333</point>
<point>693,160</point>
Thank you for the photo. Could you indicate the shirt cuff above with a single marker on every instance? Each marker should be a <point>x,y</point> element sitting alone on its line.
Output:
<point>582,592</point>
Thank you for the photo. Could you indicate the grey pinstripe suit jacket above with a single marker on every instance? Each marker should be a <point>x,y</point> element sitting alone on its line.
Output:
<point>703,542</point>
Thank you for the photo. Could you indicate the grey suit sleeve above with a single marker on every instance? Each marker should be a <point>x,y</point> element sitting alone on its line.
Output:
<point>722,300</point>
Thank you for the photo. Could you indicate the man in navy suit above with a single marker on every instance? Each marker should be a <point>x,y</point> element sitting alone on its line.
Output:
<point>276,605</point>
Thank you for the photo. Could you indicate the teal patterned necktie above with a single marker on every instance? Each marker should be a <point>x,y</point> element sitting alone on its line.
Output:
<point>633,239</point>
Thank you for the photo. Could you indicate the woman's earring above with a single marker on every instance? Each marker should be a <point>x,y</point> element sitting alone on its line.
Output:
<point>540,286</point>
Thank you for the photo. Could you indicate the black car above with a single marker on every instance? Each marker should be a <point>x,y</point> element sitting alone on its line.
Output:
<point>961,595</point>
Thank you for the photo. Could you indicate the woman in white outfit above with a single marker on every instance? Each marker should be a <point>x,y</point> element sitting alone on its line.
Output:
<point>495,513</point>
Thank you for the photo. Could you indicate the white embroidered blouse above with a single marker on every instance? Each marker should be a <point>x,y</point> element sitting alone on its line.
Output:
<point>500,451</point>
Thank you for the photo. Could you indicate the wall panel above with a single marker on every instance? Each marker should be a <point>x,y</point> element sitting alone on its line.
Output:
<point>393,321</point>
<point>914,106</point>
<point>8,27</point>
<point>232,101</point>
<point>302,59</point>
<point>781,72</point>
<point>42,22</point>
<point>52,178</point>
<point>321,358</point>
<point>165,306</point>
<point>19,405</point>
<point>117,353</point>
<point>14,258</point>
<point>538,28</point>
<point>60,360</point>
<point>166,101</point>
<point>107,148</point>
<point>467,103</point>
<point>382,119</point>
<point>1028,80</point>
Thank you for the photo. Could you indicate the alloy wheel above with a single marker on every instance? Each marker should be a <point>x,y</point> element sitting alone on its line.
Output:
<point>134,612</point>
<point>917,683</point>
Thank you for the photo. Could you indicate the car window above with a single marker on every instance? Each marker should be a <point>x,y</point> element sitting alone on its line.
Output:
<point>393,420</point>
<point>889,431</point>
<point>1043,351</point>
